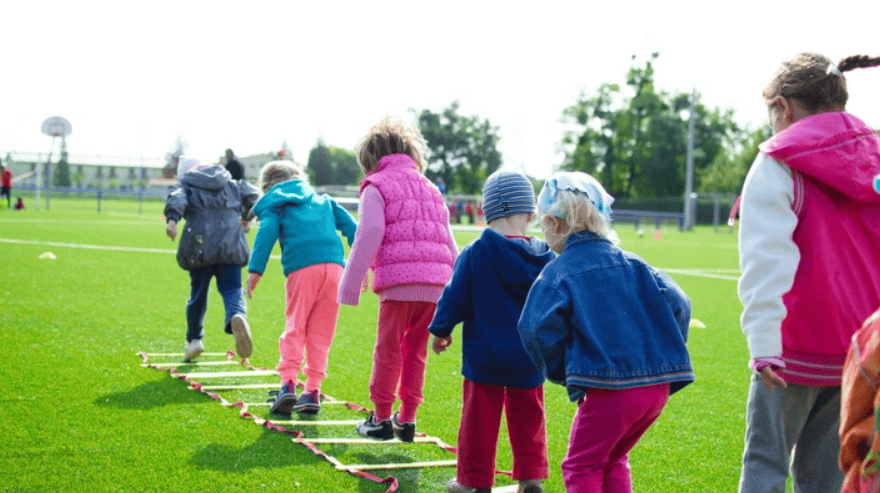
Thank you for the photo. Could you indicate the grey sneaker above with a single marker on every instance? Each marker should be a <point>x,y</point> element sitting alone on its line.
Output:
<point>454,486</point>
<point>194,349</point>
<point>242,333</point>
<point>308,403</point>
<point>405,432</point>
<point>375,431</point>
<point>530,486</point>
<point>285,399</point>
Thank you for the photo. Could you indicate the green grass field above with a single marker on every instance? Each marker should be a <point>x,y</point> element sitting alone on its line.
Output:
<point>80,413</point>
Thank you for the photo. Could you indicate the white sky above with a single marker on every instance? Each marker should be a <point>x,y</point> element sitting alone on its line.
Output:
<point>248,75</point>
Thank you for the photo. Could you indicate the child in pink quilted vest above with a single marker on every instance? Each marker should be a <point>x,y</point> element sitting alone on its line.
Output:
<point>404,237</point>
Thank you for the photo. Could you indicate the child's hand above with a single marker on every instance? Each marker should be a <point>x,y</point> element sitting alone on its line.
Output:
<point>171,229</point>
<point>365,285</point>
<point>252,281</point>
<point>770,377</point>
<point>439,344</point>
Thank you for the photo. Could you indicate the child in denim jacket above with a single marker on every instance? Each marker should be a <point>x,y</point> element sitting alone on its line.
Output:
<point>608,327</point>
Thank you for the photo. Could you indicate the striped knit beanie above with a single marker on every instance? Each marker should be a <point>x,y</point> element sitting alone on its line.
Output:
<point>507,193</point>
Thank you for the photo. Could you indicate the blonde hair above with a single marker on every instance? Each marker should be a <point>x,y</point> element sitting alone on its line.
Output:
<point>580,215</point>
<point>815,81</point>
<point>275,172</point>
<point>390,136</point>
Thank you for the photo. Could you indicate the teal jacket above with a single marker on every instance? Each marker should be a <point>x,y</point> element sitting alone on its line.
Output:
<point>305,224</point>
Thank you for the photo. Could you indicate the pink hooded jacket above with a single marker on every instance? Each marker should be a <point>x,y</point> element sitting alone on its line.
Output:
<point>834,160</point>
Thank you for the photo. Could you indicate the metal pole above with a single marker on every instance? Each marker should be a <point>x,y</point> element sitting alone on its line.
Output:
<point>49,172</point>
<point>689,183</point>
<point>39,166</point>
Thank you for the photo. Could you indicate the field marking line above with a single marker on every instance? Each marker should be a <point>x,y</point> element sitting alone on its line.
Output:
<point>97,247</point>
<point>702,273</point>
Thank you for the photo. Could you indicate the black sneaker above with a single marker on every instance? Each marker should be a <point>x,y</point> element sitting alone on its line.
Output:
<point>308,403</point>
<point>375,431</point>
<point>405,432</point>
<point>285,399</point>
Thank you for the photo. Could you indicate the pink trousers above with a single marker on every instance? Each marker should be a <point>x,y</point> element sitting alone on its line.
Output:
<point>481,407</point>
<point>400,357</point>
<point>312,310</point>
<point>607,425</point>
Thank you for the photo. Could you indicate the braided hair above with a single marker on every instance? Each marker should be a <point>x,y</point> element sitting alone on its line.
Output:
<point>815,81</point>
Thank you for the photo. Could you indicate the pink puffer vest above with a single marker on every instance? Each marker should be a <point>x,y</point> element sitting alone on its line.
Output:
<point>415,247</point>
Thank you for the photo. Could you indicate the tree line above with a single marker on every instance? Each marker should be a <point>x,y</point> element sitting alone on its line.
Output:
<point>632,137</point>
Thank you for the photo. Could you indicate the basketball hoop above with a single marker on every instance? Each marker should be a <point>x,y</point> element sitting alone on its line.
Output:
<point>56,126</point>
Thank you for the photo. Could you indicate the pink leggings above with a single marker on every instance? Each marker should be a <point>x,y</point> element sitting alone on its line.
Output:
<point>312,310</point>
<point>607,425</point>
<point>400,357</point>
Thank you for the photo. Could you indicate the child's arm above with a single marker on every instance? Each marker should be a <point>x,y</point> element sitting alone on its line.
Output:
<point>175,206</point>
<point>768,255</point>
<point>367,240</point>
<point>344,222</point>
<point>175,203</point>
<point>267,233</point>
<point>249,197</point>
<point>454,304</point>
<point>676,299</point>
<point>544,330</point>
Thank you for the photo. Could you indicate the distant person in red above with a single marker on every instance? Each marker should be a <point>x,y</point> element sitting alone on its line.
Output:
<point>19,206</point>
<point>469,210</point>
<point>6,188</point>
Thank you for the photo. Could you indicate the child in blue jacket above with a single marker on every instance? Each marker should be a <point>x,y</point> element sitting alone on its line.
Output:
<point>488,289</point>
<point>608,327</point>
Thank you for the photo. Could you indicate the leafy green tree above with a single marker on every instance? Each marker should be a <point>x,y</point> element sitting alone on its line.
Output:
<point>636,143</point>
<point>462,150</point>
<point>172,158</point>
<point>346,170</point>
<point>727,172</point>
<point>320,165</point>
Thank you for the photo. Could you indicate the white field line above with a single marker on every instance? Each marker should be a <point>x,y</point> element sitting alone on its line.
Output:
<point>87,246</point>
<point>723,274</point>
<point>157,222</point>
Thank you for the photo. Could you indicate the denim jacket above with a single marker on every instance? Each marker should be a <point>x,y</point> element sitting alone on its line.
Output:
<point>600,317</point>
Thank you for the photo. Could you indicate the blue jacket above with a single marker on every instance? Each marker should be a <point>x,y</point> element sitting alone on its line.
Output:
<point>305,224</point>
<point>600,317</point>
<point>488,289</point>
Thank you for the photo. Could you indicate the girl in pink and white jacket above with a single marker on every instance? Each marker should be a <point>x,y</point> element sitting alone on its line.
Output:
<point>404,236</point>
<point>810,226</point>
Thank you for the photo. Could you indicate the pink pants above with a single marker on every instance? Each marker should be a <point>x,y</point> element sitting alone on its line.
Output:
<point>607,425</point>
<point>400,357</point>
<point>312,310</point>
<point>481,406</point>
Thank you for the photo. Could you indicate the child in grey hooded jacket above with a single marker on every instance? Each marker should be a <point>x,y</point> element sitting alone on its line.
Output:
<point>212,245</point>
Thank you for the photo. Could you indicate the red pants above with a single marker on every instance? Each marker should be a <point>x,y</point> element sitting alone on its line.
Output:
<point>607,425</point>
<point>400,357</point>
<point>481,408</point>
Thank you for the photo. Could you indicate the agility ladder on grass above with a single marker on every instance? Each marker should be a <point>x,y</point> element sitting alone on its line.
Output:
<point>360,470</point>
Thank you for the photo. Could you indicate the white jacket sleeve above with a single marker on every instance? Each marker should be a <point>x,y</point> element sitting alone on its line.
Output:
<point>768,256</point>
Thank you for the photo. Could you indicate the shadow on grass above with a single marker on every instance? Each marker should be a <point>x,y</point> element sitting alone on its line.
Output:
<point>150,395</point>
<point>407,479</point>
<point>272,449</point>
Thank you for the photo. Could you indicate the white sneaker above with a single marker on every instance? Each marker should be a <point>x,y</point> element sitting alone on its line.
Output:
<point>193,350</point>
<point>242,333</point>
